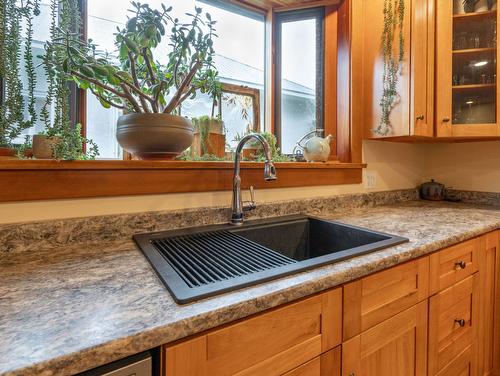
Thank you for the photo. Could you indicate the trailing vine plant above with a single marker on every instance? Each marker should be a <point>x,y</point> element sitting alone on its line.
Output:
<point>13,15</point>
<point>65,19</point>
<point>65,24</point>
<point>394,13</point>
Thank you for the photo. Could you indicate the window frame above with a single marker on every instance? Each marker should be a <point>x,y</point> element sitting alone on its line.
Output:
<point>105,178</point>
<point>318,14</point>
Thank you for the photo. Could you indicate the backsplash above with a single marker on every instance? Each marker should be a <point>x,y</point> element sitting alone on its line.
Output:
<point>481,198</point>
<point>33,236</point>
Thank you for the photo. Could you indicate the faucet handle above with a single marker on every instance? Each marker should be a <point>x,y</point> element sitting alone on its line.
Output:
<point>250,205</point>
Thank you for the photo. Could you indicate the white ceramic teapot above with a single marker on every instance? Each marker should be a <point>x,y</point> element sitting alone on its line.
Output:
<point>315,148</point>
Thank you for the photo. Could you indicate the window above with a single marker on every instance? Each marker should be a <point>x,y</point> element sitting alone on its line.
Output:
<point>240,49</point>
<point>297,95</point>
<point>299,75</point>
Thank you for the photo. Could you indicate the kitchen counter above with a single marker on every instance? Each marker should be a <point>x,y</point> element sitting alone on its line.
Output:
<point>72,308</point>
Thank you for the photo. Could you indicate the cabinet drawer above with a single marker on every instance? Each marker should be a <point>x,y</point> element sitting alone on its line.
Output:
<point>453,264</point>
<point>461,365</point>
<point>453,323</point>
<point>328,364</point>
<point>311,368</point>
<point>373,299</point>
<point>272,343</point>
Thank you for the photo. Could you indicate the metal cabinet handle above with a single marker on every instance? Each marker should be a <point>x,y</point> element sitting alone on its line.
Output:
<point>446,120</point>
<point>460,322</point>
<point>460,265</point>
<point>420,117</point>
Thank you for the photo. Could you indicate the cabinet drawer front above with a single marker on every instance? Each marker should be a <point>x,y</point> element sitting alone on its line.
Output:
<point>453,322</point>
<point>397,346</point>
<point>461,365</point>
<point>453,264</point>
<point>373,299</point>
<point>268,344</point>
<point>328,364</point>
<point>311,368</point>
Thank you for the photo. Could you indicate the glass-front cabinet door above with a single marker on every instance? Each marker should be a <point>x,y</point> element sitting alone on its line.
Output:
<point>467,103</point>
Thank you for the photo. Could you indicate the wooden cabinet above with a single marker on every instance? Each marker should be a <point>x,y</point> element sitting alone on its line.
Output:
<point>467,101</point>
<point>269,344</point>
<point>413,110</point>
<point>453,326</point>
<point>489,315</point>
<point>438,315</point>
<point>375,298</point>
<point>446,86</point>
<point>395,347</point>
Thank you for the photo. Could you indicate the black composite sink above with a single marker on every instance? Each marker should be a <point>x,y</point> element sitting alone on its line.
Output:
<point>199,262</point>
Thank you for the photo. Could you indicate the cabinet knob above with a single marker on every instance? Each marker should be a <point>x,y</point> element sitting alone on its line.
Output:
<point>446,120</point>
<point>460,265</point>
<point>420,117</point>
<point>460,322</point>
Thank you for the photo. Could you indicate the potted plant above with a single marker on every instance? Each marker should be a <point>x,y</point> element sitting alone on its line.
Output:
<point>16,55</point>
<point>148,92</point>
<point>209,137</point>
<point>250,149</point>
<point>60,139</point>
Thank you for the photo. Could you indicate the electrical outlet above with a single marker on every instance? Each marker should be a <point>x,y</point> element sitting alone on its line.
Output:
<point>370,179</point>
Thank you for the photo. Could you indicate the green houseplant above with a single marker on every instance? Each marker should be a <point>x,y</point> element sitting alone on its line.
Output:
<point>12,119</point>
<point>209,136</point>
<point>394,13</point>
<point>148,92</point>
<point>61,139</point>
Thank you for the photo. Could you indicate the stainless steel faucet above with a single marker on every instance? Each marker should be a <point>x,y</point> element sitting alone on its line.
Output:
<point>269,174</point>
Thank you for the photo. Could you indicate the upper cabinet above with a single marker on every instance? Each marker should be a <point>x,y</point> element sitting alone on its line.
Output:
<point>394,49</point>
<point>427,68</point>
<point>466,65</point>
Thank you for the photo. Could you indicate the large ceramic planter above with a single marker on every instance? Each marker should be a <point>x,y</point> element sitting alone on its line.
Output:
<point>154,136</point>
<point>43,146</point>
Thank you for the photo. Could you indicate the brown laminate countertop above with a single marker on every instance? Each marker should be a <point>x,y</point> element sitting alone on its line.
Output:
<point>73,308</point>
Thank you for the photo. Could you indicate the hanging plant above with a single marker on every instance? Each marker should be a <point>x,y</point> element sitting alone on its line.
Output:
<point>13,15</point>
<point>65,24</point>
<point>394,13</point>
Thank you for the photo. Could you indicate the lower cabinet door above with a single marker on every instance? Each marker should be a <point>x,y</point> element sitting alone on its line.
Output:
<point>395,347</point>
<point>328,364</point>
<point>268,344</point>
<point>453,325</point>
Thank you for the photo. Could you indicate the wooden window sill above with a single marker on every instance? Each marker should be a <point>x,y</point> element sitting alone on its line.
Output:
<point>48,179</point>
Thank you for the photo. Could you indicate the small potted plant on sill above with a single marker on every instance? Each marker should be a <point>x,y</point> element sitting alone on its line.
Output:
<point>148,92</point>
<point>209,137</point>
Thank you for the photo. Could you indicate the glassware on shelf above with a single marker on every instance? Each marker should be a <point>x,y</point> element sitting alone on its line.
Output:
<point>460,42</point>
<point>474,65</point>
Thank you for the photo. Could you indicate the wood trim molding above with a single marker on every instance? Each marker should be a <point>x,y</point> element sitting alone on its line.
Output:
<point>44,180</point>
